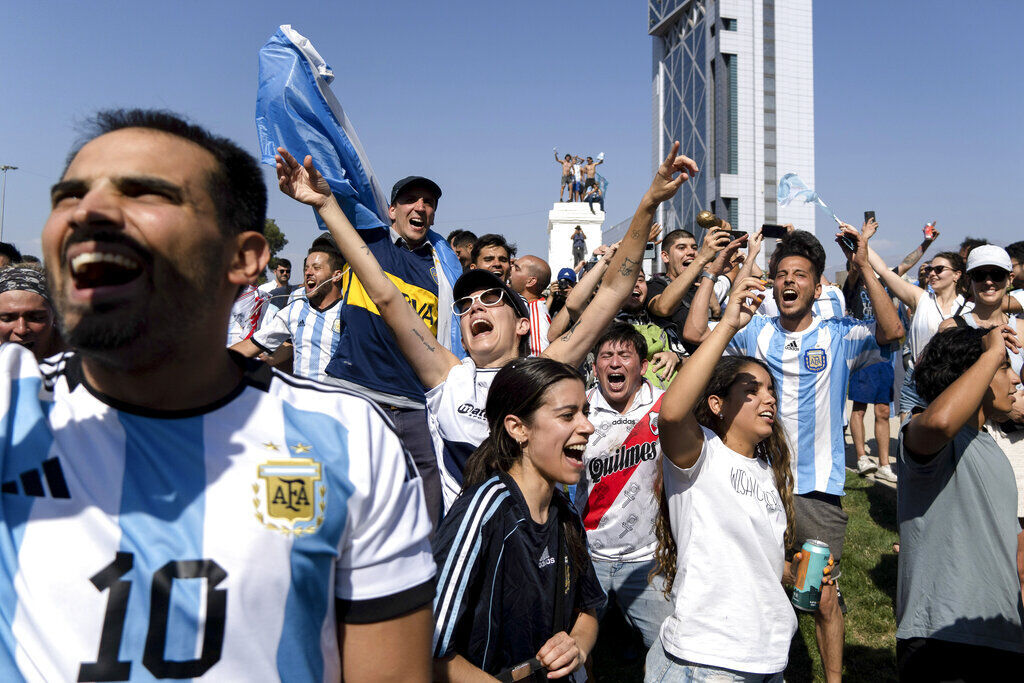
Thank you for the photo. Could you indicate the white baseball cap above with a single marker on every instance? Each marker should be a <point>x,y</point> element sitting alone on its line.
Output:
<point>989,255</point>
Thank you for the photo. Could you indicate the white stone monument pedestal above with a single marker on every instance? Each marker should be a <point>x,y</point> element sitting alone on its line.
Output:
<point>562,221</point>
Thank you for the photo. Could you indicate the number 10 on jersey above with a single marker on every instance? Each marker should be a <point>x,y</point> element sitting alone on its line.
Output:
<point>108,666</point>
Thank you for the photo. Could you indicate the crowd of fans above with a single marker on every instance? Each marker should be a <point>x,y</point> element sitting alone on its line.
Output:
<point>455,479</point>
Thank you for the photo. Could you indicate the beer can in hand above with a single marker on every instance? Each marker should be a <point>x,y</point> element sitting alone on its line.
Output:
<point>813,560</point>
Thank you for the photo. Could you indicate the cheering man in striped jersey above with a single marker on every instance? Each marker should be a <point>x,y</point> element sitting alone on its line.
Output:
<point>169,509</point>
<point>312,323</point>
<point>811,359</point>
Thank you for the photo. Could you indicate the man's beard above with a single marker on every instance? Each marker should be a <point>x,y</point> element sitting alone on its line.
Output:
<point>171,309</point>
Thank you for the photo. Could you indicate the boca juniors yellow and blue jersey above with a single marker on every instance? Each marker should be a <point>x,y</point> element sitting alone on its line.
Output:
<point>218,544</point>
<point>367,354</point>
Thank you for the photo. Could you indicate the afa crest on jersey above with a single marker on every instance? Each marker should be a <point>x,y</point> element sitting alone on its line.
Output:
<point>815,360</point>
<point>289,496</point>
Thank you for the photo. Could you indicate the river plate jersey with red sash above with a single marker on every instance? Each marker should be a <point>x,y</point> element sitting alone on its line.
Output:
<point>615,494</point>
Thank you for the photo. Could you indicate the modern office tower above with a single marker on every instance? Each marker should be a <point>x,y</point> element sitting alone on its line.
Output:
<point>733,81</point>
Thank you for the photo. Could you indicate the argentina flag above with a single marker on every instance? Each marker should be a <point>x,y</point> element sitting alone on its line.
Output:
<point>791,187</point>
<point>296,109</point>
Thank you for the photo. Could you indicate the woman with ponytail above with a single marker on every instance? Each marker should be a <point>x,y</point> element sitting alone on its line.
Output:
<point>517,593</point>
<point>727,510</point>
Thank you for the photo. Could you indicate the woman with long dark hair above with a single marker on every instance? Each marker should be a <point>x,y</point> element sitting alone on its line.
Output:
<point>727,511</point>
<point>517,592</point>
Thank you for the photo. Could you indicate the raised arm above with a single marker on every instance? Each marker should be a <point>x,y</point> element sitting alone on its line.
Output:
<point>888,327</point>
<point>913,257</point>
<point>429,359</point>
<point>680,434</point>
<point>696,331</point>
<point>905,291</point>
<point>695,328</point>
<point>620,278</point>
<point>926,434</point>
<point>580,295</point>
<point>666,303</point>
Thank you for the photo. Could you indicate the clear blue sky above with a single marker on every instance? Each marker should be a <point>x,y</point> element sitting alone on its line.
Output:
<point>917,108</point>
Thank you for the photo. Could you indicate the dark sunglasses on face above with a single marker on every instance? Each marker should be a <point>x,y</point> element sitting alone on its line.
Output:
<point>993,274</point>
<point>938,270</point>
<point>488,297</point>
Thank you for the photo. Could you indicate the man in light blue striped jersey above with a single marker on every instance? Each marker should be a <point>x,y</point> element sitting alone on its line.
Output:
<point>310,325</point>
<point>172,510</point>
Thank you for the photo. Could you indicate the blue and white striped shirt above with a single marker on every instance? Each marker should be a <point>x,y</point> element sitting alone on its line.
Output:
<point>222,543</point>
<point>811,370</point>
<point>314,334</point>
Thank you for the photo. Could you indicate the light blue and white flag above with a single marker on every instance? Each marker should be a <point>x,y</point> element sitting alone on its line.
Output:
<point>792,188</point>
<point>296,109</point>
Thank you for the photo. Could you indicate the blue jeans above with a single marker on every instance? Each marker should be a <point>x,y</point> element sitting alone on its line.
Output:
<point>643,604</point>
<point>661,666</point>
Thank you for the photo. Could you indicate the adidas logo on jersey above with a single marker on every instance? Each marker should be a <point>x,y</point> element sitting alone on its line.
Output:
<point>545,559</point>
<point>791,345</point>
<point>32,481</point>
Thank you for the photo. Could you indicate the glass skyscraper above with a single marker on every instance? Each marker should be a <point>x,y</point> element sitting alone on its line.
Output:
<point>733,81</point>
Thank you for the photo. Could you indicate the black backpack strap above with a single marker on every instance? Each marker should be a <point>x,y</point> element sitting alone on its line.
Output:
<point>960,322</point>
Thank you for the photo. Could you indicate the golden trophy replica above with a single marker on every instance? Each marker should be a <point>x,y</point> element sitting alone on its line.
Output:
<point>708,220</point>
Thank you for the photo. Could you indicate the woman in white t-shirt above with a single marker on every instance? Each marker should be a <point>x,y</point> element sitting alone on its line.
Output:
<point>728,494</point>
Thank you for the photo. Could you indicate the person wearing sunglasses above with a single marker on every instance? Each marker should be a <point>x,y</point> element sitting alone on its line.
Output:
<point>989,269</point>
<point>929,308</point>
<point>494,320</point>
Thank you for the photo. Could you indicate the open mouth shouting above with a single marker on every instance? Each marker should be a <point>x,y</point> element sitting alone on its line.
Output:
<point>418,223</point>
<point>479,327</point>
<point>574,453</point>
<point>790,295</point>
<point>616,382</point>
<point>101,270</point>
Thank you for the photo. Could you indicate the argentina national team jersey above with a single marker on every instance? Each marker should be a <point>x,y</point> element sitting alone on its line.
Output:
<point>313,333</point>
<point>220,544</point>
<point>458,421</point>
<point>811,370</point>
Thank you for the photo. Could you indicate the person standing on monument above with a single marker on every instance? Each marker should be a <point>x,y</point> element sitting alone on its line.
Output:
<point>579,246</point>
<point>590,171</point>
<point>567,178</point>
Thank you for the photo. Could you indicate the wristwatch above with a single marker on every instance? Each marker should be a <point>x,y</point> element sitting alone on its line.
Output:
<point>709,276</point>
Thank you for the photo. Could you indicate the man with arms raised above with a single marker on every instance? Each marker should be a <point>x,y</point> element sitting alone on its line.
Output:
<point>811,359</point>
<point>312,324</point>
<point>670,294</point>
<point>170,509</point>
<point>529,278</point>
<point>616,492</point>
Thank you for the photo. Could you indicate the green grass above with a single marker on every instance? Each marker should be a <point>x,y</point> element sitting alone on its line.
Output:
<point>869,588</point>
<point>868,583</point>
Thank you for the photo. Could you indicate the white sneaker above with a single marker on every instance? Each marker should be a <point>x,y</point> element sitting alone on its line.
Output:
<point>885,473</point>
<point>865,466</point>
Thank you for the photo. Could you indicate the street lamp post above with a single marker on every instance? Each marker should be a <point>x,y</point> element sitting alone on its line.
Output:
<point>3,197</point>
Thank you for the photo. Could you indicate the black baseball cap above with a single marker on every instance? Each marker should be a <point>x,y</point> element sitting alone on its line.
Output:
<point>415,181</point>
<point>476,279</point>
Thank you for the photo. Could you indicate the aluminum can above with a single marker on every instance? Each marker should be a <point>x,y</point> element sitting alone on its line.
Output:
<point>929,229</point>
<point>813,560</point>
